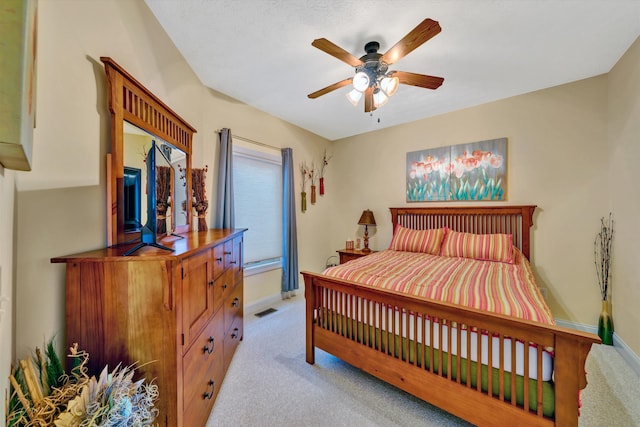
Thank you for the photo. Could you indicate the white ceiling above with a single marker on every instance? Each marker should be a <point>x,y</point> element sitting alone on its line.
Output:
<point>259,51</point>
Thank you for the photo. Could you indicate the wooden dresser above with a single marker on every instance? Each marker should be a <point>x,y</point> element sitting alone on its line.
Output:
<point>177,315</point>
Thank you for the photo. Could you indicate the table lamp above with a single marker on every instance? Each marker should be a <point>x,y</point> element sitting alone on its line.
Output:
<point>366,219</point>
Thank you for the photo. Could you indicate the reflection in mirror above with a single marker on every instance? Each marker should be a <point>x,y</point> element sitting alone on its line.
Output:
<point>171,191</point>
<point>132,198</point>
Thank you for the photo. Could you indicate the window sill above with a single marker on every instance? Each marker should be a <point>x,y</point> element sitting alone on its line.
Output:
<point>262,267</point>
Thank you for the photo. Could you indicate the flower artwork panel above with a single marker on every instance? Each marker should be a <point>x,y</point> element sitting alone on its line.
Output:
<point>429,175</point>
<point>465,172</point>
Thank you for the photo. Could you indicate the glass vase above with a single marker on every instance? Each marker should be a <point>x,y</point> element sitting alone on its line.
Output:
<point>321,186</point>
<point>303,200</point>
<point>605,325</point>
<point>313,194</point>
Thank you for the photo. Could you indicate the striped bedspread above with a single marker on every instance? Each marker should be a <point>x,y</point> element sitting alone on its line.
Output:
<point>497,287</point>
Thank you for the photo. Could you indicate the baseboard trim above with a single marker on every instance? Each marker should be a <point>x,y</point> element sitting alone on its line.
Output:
<point>578,326</point>
<point>625,351</point>
<point>627,354</point>
<point>261,304</point>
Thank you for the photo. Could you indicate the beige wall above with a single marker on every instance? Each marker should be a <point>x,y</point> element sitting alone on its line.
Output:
<point>623,194</point>
<point>572,151</point>
<point>556,155</point>
<point>7,196</point>
<point>61,203</point>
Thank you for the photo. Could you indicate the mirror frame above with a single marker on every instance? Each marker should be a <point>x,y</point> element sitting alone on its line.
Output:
<point>130,101</point>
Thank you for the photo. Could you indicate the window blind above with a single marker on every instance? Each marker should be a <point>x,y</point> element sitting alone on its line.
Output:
<point>257,181</point>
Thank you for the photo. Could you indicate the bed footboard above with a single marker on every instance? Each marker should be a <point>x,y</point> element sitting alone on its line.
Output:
<point>486,368</point>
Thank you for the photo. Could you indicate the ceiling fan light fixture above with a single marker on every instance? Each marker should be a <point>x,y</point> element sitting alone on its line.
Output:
<point>389,85</point>
<point>361,81</point>
<point>354,96</point>
<point>372,79</point>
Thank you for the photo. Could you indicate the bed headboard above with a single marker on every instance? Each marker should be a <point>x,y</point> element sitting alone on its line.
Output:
<point>514,220</point>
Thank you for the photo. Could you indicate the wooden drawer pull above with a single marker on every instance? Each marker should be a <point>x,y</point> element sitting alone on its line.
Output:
<point>225,286</point>
<point>235,302</point>
<point>208,395</point>
<point>207,349</point>
<point>235,334</point>
<point>210,282</point>
<point>219,259</point>
<point>227,253</point>
<point>233,262</point>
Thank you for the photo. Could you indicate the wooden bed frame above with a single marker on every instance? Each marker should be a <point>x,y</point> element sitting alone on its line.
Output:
<point>336,311</point>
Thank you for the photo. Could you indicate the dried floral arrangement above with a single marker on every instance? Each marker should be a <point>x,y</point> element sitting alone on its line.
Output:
<point>313,174</point>
<point>42,394</point>
<point>602,255</point>
<point>323,166</point>
<point>200,203</point>
<point>163,195</point>
<point>325,163</point>
<point>305,173</point>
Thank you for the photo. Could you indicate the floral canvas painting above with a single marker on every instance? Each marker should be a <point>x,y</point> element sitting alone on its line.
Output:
<point>475,171</point>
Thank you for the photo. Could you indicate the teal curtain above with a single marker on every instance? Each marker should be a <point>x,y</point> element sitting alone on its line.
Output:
<point>289,233</point>
<point>224,202</point>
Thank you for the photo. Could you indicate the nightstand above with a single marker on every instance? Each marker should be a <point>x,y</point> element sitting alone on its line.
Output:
<point>349,254</point>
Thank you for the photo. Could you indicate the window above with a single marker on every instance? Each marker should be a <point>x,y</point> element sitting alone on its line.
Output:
<point>257,192</point>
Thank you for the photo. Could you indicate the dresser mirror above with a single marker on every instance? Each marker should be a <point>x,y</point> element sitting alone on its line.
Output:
<point>171,189</point>
<point>138,119</point>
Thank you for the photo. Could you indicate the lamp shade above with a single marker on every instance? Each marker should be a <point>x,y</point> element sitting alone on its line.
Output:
<point>379,98</point>
<point>367,218</point>
<point>354,96</point>
<point>389,85</point>
<point>361,81</point>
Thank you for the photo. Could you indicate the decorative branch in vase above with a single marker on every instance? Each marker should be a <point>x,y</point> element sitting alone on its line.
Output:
<point>323,165</point>
<point>304,172</point>
<point>313,175</point>
<point>602,258</point>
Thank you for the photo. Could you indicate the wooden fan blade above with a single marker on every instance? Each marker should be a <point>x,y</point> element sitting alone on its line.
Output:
<point>368,100</point>
<point>336,51</point>
<point>420,80</point>
<point>330,88</point>
<point>420,34</point>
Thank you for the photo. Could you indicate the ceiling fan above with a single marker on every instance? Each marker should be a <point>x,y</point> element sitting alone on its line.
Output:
<point>372,76</point>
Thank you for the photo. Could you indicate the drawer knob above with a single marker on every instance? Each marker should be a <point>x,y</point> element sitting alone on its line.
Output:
<point>233,262</point>
<point>207,349</point>
<point>235,302</point>
<point>227,253</point>
<point>219,259</point>
<point>210,282</point>
<point>225,286</point>
<point>208,395</point>
<point>235,334</point>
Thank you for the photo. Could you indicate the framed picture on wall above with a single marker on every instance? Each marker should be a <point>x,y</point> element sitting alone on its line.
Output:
<point>475,171</point>
<point>18,20</point>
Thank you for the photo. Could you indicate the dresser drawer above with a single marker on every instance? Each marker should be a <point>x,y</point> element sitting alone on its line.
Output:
<point>226,282</point>
<point>218,260</point>
<point>236,263</point>
<point>232,308</point>
<point>222,288</point>
<point>203,370</point>
<point>197,295</point>
<point>231,341</point>
<point>228,254</point>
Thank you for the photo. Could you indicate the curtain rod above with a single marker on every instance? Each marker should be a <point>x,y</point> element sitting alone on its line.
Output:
<point>251,141</point>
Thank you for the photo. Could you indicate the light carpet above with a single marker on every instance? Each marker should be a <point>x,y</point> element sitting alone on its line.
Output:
<point>269,383</point>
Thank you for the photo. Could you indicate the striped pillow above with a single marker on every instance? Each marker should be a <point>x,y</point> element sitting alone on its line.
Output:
<point>409,240</point>
<point>487,247</point>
